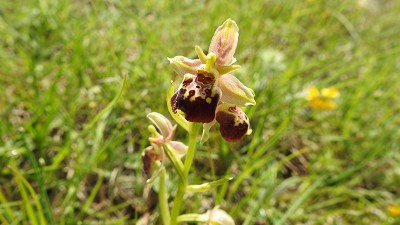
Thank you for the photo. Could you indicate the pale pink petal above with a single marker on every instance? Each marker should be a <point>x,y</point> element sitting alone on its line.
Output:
<point>235,92</point>
<point>179,147</point>
<point>224,42</point>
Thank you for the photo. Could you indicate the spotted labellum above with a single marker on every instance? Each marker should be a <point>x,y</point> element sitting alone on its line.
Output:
<point>208,94</point>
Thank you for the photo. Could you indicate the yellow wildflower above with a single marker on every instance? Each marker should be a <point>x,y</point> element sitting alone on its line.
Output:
<point>394,210</point>
<point>322,100</point>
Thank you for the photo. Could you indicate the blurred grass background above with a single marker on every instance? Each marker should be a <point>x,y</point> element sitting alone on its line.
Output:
<point>65,161</point>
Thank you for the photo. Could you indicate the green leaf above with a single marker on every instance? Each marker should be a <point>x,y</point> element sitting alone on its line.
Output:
<point>207,186</point>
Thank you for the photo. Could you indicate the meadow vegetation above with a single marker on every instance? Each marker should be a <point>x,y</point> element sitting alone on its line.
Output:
<point>77,79</point>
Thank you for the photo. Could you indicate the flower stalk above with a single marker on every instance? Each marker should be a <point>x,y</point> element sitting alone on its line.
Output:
<point>193,132</point>
<point>163,199</point>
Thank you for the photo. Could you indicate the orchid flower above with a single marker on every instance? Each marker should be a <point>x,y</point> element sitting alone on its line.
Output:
<point>208,94</point>
<point>164,135</point>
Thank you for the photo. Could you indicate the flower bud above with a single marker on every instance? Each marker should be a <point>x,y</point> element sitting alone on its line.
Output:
<point>149,156</point>
<point>220,217</point>
<point>162,124</point>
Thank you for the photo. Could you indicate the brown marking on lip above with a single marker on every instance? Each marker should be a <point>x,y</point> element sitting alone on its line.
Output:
<point>196,100</point>
<point>231,131</point>
<point>205,77</point>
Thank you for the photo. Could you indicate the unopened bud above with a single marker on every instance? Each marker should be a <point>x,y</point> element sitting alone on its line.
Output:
<point>220,217</point>
<point>162,123</point>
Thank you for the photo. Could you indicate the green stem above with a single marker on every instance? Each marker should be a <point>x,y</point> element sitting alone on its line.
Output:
<point>193,131</point>
<point>177,203</point>
<point>163,199</point>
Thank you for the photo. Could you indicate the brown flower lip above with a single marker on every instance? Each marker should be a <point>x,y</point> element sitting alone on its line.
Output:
<point>197,100</point>
<point>233,123</point>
